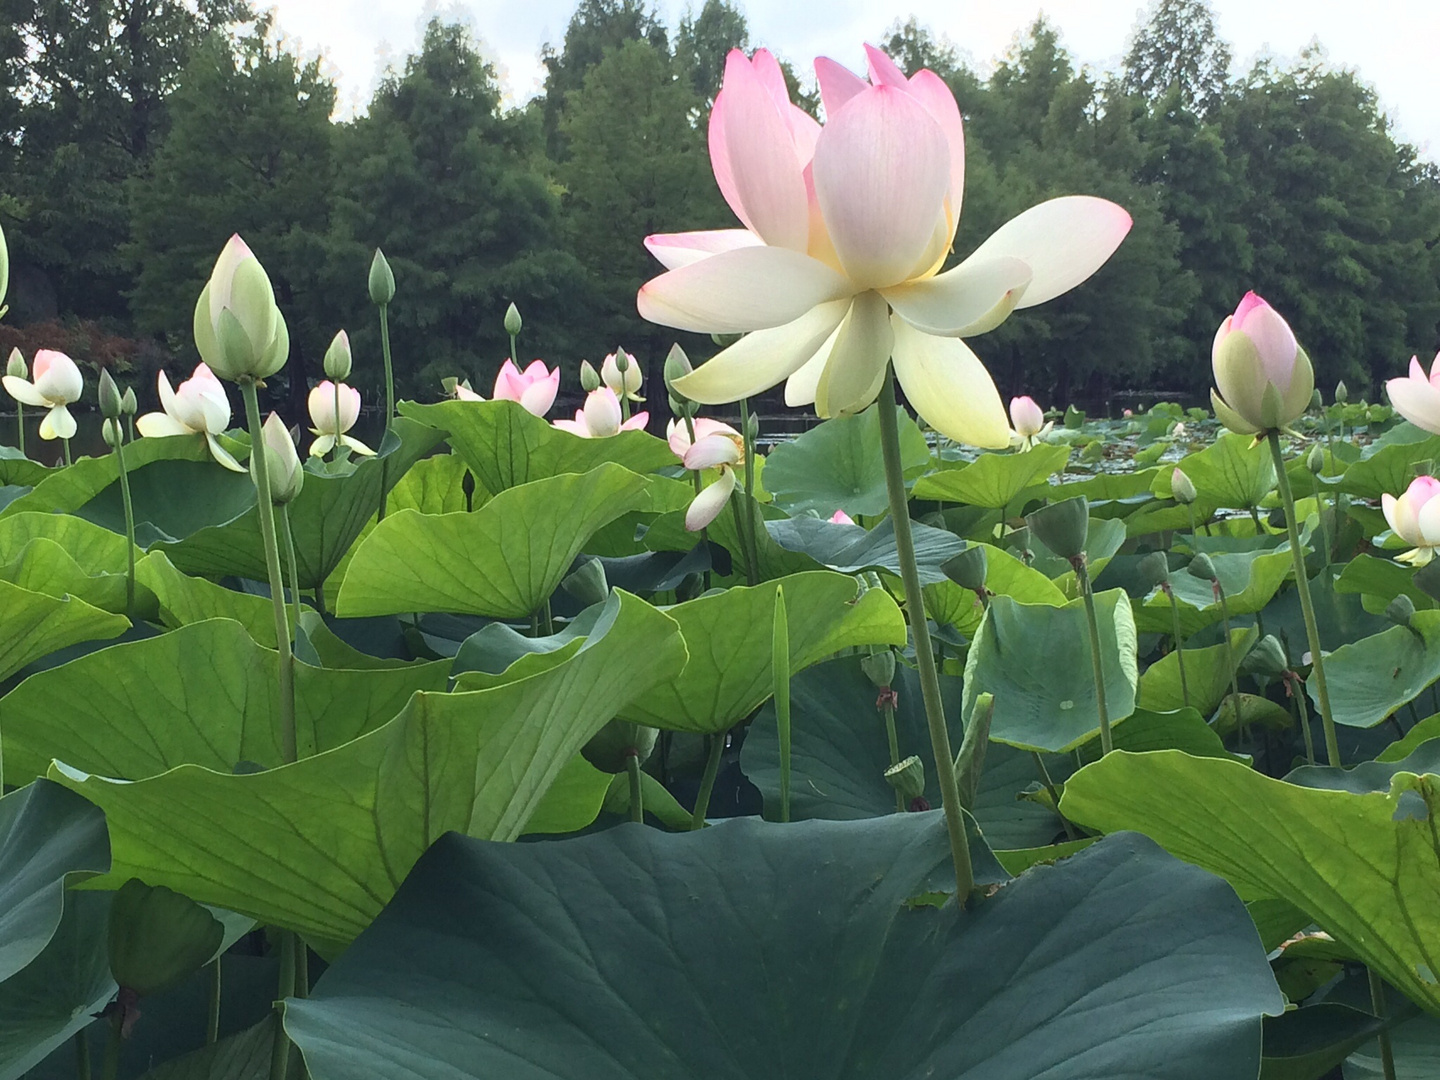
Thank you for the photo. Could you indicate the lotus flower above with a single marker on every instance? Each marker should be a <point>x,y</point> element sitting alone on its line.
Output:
<point>837,270</point>
<point>601,417</point>
<point>1263,379</point>
<point>716,446</point>
<point>1416,397</point>
<point>198,407</point>
<point>238,329</point>
<point>329,427</point>
<point>626,384</point>
<point>1029,421</point>
<point>282,464</point>
<point>841,518</point>
<point>464,393</point>
<point>56,382</point>
<point>534,388</point>
<point>1415,518</point>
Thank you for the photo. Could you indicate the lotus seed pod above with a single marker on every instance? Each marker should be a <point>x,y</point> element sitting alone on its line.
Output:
<point>337,357</point>
<point>969,569</point>
<point>1182,487</point>
<point>1153,569</point>
<point>589,377</point>
<point>879,668</point>
<point>618,741</point>
<point>622,361</point>
<point>1063,527</point>
<point>907,777</point>
<point>109,395</point>
<point>586,583</point>
<point>1267,658</point>
<point>382,280</point>
<point>1315,460</point>
<point>1201,567</point>
<point>513,322</point>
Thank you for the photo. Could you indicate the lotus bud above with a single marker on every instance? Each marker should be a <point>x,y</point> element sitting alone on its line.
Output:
<point>589,377</point>
<point>282,463</point>
<point>725,340</point>
<point>586,583</point>
<point>908,778</point>
<point>109,395</point>
<point>1315,460</point>
<point>158,937</point>
<point>1182,487</point>
<point>968,569</point>
<point>15,366</point>
<point>1153,569</point>
<point>677,365</point>
<point>129,406</point>
<point>382,280</point>
<point>110,432</point>
<point>1063,527</point>
<point>879,668</point>
<point>1202,568</point>
<point>1263,379</point>
<point>239,331</point>
<point>513,322</point>
<point>752,427</point>
<point>618,741</point>
<point>1400,610</point>
<point>1267,658</point>
<point>622,361</point>
<point>337,357</point>
<point>1316,401</point>
<point>1342,393</point>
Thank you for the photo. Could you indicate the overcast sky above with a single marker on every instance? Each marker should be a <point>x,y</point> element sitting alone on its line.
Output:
<point>1393,43</point>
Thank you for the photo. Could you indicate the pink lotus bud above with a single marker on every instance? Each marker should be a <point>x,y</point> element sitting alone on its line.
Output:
<point>1027,417</point>
<point>841,518</point>
<point>1263,379</point>
<point>534,388</point>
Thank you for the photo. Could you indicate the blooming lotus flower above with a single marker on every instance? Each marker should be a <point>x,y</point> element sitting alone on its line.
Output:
<point>626,384</point>
<point>716,446</point>
<point>56,382</point>
<point>1416,397</point>
<point>329,427</point>
<point>841,518</point>
<point>198,407</point>
<point>601,418</point>
<point>837,270</point>
<point>677,434</point>
<point>534,388</point>
<point>1415,518</point>
<point>1263,379</point>
<point>239,331</point>
<point>1029,421</point>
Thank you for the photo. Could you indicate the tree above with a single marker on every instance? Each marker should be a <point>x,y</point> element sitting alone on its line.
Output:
<point>703,41</point>
<point>1178,46</point>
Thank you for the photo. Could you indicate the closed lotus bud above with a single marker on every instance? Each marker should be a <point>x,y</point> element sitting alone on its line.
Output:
<point>158,937</point>
<point>1063,527</point>
<point>1182,487</point>
<point>1342,393</point>
<point>879,668</point>
<point>586,583</point>
<point>907,777</point>
<point>513,322</point>
<point>618,741</point>
<point>1400,610</point>
<point>110,432</point>
<point>968,569</point>
<point>337,358</point>
<point>1153,569</point>
<point>1267,658</point>
<point>109,395</point>
<point>239,331</point>
<point>282,463</point>
<point>129,406</point>
<point>1315,460</point>
<point>725,340</point>
<point>1201,567</point>
<point>589,377</point>
<point>15,366</point>
<point>1263,379</point>
<point>752,427</point>
<point>622,361</point>
<point>677,365</point>
<point>382,280</point>
<point>1316,401</point>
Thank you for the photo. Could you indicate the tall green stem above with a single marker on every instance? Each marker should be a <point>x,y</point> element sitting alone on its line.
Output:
<point>887,709</point>
<point>65,446</point>
<point>1307,606</point>
<point>110,1063</point>
<point>924,652</point>
<point>637,793</point>
<point>261,471</point>
<point>1377,1003</point>
<point>1324,529</point>
<point>1230,664</point>
<point>212,1018</point>
<point>280,1048</point>
<point>1179,643</point>
<point>780,665</point>
<point>707,780</point>
<point>82,1053</point>
<point>20,442</point>
<point>129,520</point>
<point>292,566</point>
<point>1097,661</point>
<point>389,403</point>
<point>1297,692</point>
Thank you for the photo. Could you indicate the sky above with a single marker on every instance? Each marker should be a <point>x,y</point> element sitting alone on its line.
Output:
<point>1392,43</point>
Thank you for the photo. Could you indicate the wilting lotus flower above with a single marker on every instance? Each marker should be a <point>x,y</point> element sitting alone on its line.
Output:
<point>625,383</point>
<point>1263,379</point>
<point>282,463</point>
<point>1416,397</point>
<point>1415,518</point>
<point>330,428</point>
<point>601,417</point>
<point>534,388</point>
<point>198,407</point>
<point>716,446</point>
<point>56,383</point>
<point>1029,420</point>
<point>846,229</point>
<point>238,329</point>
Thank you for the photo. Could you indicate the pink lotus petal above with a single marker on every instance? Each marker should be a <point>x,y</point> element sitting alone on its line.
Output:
<point>1249,303</point>
<point>883,71</point>
<point>539,396</point>
<point>737,291</point>
<point>637,422</point>
<point>1026,417</point>
<point>706,506</point>
<point>838,84</point>
<point>930,90</point>
<point>841,518</point>
<point>712,450</point>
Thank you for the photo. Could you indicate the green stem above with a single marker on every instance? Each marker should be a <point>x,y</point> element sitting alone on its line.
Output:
<point>302,968</point>
<point>1230,664</point>
<point>752,577</point>
<point>1377,1004</point>
<point>924,651</point>
<point>1179,645</point>
<point>335,450</point>
<point>82,1053</point>
<point>261,471</point>
<point>1307,606</point>
<point>291,565</point>
<point>547,620</point>
<point>1190,511</point>
<point>389,401</point>
<point>888,711</point>
<point>637,793</point>
<point>1297,691</point>
<point>320,597</point>
<point>110,1063</point>
<point>280,1048</point>
<point>1324,529</point>
<point>1054,794</point>
<point>707,780</point>
<point>20,431</point>
<point>1097,661</point>
<point>65,445</point>
<point>212,1022</point>
<point>129,522</point>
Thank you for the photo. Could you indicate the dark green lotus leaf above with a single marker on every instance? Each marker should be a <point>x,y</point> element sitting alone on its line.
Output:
<point>204,694</point>
<point>158,938</point>
<point>46,567</point>
<point>505,446</point>
<point>244,1055</point>
<point>1390,468</point>
<point>798,936</point>
<point>1369,776</point>
<point>320,845</point>
<point>33,625</point>
<point>1423,732</point>
<point>1035,659</point>
<point>48,836</point>
<point>1207,675</point>
<point>1177,729</point>
<point>94,547</point>
<point>172,499</point>
<point>1250,580</point>
<point>17,470</point>
<point>1379,581</point>
<point>851,549</point>
<point>1416,1045</point>
<point>1366,868</point>
<point>1369,679</point>
<point>994,480</point>
<point>495,647</point>
<point>182,600</point>
<point>573,801</point>
<point>67,490</point>
<point>838,466</point>
<point>1305,1044</point>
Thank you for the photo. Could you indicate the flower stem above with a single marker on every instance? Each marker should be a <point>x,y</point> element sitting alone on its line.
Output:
<point>780,665</point>
<point>1230,664</point>
<point>707,779</point>
<point>1324,529</point>
<point>335,450</point>
<point>65,445</point>
<point>1297,691</point>
<point>1179,644</point>
<point>924,652</point>
<point>1307,606</point>
<point>20,442</point>
<point>888,711</point>
<point>637,793</point>
<point>291,565</point>
<point>212,1020</point>
<point>82,1053</point>
<point>261,472</point>
<point>110,1063</point>
<point>302,968</point>
<point>1097,661</point>
<point>389,402</point>
<point>1377,1004</point>
<point>280,1049</point>
<point>129,521</point>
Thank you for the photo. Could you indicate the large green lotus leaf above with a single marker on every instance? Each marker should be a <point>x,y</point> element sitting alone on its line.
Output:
<point>325,518</point>
<point>1234,471</point>
<point>731,669</point>
<point>1390,468</point>
<point>57,993</point>
<point>495,646</point>
<point>17,470</point>
<point>751,951</point>
<point>1006,575</point>
<point>1176,729</point>
<point>172,499</point>
<point>668,533</point>
<point>1423,732</point>
<point>320,845</point>
<point>1416,1045</point>
<point>44,566</point>
<point>1250,580</point>
<point>1104,537</point>
<point>245,1055</point>
<point>182,600</point>
<point>1307,1043</point>
<point>1366,868</point>
<point>94,547</point>
<point>504,560</point>
<point>839,754</point>
<point>505,446</point>
<point>573,800</point>
<point>205,694</point>
<point>1371,678</point>
<point>994,480</point>
<point>33,625</point>
<point>851,549</point>
<point>1378,581</point>
<point>1035,659</point>
<point>1369,776</point>
<point>839,466</point>
<point>1207,674</point>
<point>66,490</point>
<point>47,835</point>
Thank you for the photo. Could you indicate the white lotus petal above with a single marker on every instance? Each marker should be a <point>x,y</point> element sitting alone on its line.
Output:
<point>23,391</point>
<point>958,299</point>
<point>752,288</point>
<point>223,456</point>
<point>706,506</point>
<point>856,367</point>
<point>157,425</point>
<point>681,249</point>
<point>948,385</point>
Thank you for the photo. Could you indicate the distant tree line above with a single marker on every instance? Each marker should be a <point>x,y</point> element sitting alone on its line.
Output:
<point>136,135</point>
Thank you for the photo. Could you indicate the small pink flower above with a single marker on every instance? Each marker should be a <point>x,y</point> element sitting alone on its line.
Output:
<point>57,383</point>
<point>1263,379</point>
<point>198,406</point>
<point>534,388</point>
<point>601,418</point>
<point>1415,518</point>
<point>716,446</point>
<point>1029,420</point>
